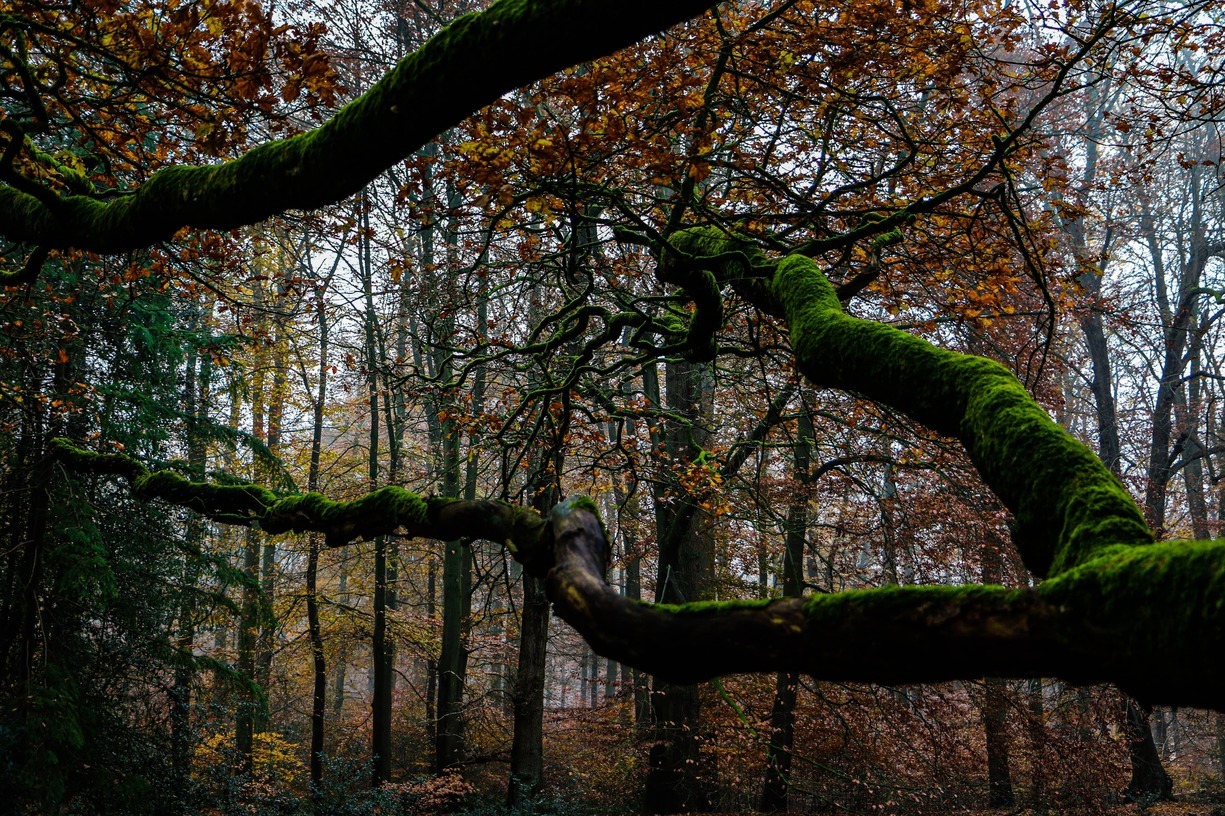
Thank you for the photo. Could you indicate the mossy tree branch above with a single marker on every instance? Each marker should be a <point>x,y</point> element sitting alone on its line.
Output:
<point>1116,607</point>
<point>1069,508</point>
<point>385,511</point>
<point>1125,618</point>
<point>468,65</point>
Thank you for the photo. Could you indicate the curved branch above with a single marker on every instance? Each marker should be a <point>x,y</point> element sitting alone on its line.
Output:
<point>1068,506</point>
<point>1141,618</point>
<point>466,66</point>
<point>1149,618</point>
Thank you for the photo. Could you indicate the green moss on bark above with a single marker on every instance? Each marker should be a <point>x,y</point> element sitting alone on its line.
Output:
<point>1068,506</point>
<point>468,65</point>
<point>386,510</point>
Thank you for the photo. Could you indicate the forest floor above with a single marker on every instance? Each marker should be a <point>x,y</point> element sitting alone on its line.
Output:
<point>1160,809</point>
<point>1175,808</point>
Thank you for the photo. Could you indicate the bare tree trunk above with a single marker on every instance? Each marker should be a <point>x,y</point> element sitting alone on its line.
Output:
<point>775,790</point>
<point>342,657</point>
<point>314,628</point>
<point>276,408</point>
<point>995,706</point>
<point>526,753</point>
<point>249,700</point>
<point>1037,748</point>
<point>195,401</point>
<point>684,573</point>
<point>249,719</point>
<point>635,682</point>
<point>527,748</point>
<point>456,584</point>
<point>1149,781</point>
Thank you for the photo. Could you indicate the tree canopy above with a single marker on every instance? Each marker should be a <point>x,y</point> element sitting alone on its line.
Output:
<point>810,163</point>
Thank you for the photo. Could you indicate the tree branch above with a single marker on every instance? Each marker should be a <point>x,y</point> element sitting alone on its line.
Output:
<point>1140,618</point>
<point>466,66</point>
<point>384,511</point>
<point>1068,506</point>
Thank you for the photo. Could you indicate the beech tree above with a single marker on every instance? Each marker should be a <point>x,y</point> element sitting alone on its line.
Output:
<point>1109,604</point>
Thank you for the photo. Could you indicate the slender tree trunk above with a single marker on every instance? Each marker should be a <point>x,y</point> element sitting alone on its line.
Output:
<point>775,790</point>
<point>1218,722</point>
<point>635,682</point>
<point>1037,748</point>
<point>527,748</point>
<point>382,656</point>
<point>195,400</point>
<point>453,662</point>
<point>342,658</point>
<point>995,706</point>
<point>314,628</point>
<point>1142,749</point>
<point>431,664</point>
<point>526,753</point>
<point>276,409</point>
<point>249,703</point>
<point>995,728</point>
<point>1191,409</point>
<point>250,716</point>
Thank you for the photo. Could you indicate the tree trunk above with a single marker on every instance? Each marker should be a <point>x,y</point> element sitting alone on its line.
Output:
<point>249,703</point>
<point>1142,749</point>
<point>685,568</point>
<point>382,655</point>
<point>527,747</point>
<point>1037,748</point>
<point>453,662</point>
<point>635,681</point>
<point>775,793</point>
<point>342,657</point>
<point>195,401</point>
<point>276,410</point>
<point>995,728</point>
<point>1219,725</point>
<point>1149,781</point>
<point>314,628</point>
<point>995,706</point>
<point>252,705</point>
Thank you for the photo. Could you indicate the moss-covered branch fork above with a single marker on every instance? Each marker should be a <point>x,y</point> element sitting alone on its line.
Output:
<point>1147,618</point>
<point>468,65</point>
<point>1126,615</point>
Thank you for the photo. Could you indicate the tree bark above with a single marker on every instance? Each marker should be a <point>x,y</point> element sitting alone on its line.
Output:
<point>685,568</point>
<point>526,752</point>
<point>1149,781</point>
<point>995,705</point>
<point>314,627</point>
<point>775,790</point>
<point>466,66</point>
<point>527,747</point>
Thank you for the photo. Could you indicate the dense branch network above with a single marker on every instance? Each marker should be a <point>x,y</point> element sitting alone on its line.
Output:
<point>1114,606</point>
<point>468,65</point>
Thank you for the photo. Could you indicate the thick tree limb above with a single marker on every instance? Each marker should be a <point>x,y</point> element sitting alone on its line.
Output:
<point>1116,607</point>
<point>1126,616</point>
<point>1148,618</point>
<point>464,67</point>
<point>1068,506</point>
